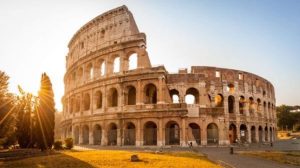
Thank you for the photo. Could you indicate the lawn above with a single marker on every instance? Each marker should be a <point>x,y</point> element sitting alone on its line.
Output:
<point>112,159</point>
<point>292,158</point>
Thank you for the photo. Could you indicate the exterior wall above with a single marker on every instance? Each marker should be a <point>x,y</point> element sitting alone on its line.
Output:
<point>96,108</point>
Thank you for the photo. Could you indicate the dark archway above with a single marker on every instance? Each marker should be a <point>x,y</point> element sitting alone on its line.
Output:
<point>260,134</point>
<point>150,133</point>
<point>85,134</point>
<point>150,94</point>
<point>112,134</point>
<point>212,134</point>
<point>243,133</point>
<point>76,135</point>
<point>230,104</point>
<point>253,134</point>
<point>232,133</point>
<point>97,134</point>
<point>131,95</point>
<point>194,133</point>
<point>172,133</point>
<point>129,134</point>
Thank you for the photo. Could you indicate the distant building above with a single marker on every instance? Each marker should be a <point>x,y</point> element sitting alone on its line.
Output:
<point>295,111</point>
<point>108,101</point>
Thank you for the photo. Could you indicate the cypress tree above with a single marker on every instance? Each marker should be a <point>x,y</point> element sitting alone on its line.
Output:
<point>45,114</point>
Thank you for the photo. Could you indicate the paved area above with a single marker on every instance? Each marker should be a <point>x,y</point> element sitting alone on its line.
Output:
<point>222,155</point>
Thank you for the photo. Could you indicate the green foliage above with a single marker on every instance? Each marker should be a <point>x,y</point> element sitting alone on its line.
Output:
<point>7,113</point>
<point>69,143</point>
<point>26,105</point>
<point>45,114</point>
<point>286,119</point>
<point>57,145</point>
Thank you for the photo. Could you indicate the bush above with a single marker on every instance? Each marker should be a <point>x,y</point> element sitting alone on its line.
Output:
<point>57,145</point>
<point>69,143</point>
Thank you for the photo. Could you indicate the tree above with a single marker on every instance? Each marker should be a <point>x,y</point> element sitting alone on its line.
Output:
<point>45,114</point>
<point>7,113</point>
<point>286,119</point>
<point>26,105</point>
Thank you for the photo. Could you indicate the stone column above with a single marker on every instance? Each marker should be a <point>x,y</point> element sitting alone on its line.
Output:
<point>104,137</point>
<point>225,104</point>
<point>139,90</point>
<point>119,141</point>
<point>80,135</point>
<point>91,136</point>
<point>160,90</point>
<point>238,131</point>
<point>203,133</point>
<point>183,134</point>
<point>257,134</point>
<point>160,138</point>
<point>138,140</point>
<point>249,134</point>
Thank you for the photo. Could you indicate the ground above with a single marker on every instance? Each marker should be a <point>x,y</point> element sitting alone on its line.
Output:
<point>112,158</point>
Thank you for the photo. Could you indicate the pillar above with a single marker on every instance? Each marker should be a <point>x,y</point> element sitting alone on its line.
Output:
<point>160,138</point>
<point>183,134</point>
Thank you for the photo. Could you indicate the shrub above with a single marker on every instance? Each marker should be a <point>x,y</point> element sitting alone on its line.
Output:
<point>69,143</point>
<point>57,145</point>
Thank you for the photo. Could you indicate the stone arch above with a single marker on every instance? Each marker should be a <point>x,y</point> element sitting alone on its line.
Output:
<point>243,133</point>
<point>194,134</point>
<point>150,93</point>
<point>271,134</point>
<point>230,88</point>
<point>89,72</point>
<point>212,134</point>
<point>251,106</point>
<point>72,105</point>
<point>76,135</point>
<point>150,133</point>
<point>112,98</point>
<point>117,64</point>
<point>80,74</point>
<point>174,94</point>
<point>242,105</point>
<point>85,134</point>
<point>129,134</point>
<point>87,101</point>
<point>70,131</point>
<point>97,134</point>
<point>232,133</point>
<point>231,101</point>
<point>192,96</point>
<point>266,134</point>
<point>258,106</point>
<point>219,100</point>
<point>172,133</point>
<point>253,134</point>
<point>265,109</point>
<point>98,97</point>
<point>132,61</point>
<point>260,134</point>
<point>112,134</point>
<point>78,106</point>
<point>131,95</point>
<point>101,67</point>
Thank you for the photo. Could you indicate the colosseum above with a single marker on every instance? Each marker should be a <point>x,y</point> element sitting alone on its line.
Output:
<point>115,97</point>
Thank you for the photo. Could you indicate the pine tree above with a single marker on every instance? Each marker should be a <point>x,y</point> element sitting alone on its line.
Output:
<point>7,113</point>
<point>45,114</point>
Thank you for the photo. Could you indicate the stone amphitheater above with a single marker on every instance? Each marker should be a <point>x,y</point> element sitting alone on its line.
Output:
<point>115,97</point>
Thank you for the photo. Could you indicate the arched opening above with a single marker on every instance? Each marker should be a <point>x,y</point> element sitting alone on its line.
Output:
<point>241,104</point>
<point>230,88</point>
<point>112,134</point>
<point>132,61</point>
<point>192,96</point>
<point>87,101</point>
<point>150,133</point>
<point>174,94</point>
<point>232,134</point>
<point>113,97</point>
<point>102,68</point>
<point>89,71</point>
<point>271,135</point>
<point>253,134</point>
<point>150,94</point>
<point>266,134</point>
<point>269,110</point>
<point>97,134</point>
<point>78,104</point>
<point>231,104</point>
<point>116,67</point>
<point>70,131</point>
<point>73,77</point>
<point>129,137</point>
<point>194,134</point>
<point>243,133</point>
<point>131,97</point>
<point>80,74</point>
<point>72,105</point>
<point>212,134</point>
<point>85,134</point>
<point>98,99</point>
<point>265,109</point>
<point>251,106</point>
<point>259,107</point>
<point>76,135</point>
<point>219,100</point>
<point>172,133</point>
<point>260,134</point>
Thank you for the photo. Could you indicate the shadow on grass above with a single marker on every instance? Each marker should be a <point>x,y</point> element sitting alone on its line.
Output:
<point>59,160</point>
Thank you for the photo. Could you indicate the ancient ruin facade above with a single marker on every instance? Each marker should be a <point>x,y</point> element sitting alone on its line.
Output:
<point>114,96</point>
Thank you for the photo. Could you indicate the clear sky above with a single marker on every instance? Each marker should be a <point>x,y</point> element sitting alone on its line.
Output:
<point>259,36</point>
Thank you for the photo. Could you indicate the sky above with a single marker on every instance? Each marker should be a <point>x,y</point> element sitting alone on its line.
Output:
<point>257,36</point>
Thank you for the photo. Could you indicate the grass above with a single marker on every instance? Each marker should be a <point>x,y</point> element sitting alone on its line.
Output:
<point>112,159</point>
<point>292,158</point>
